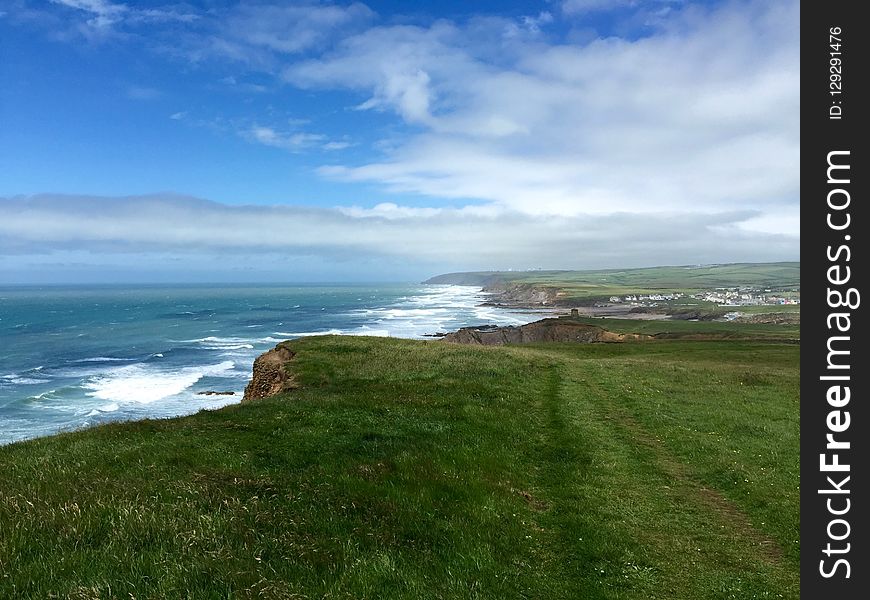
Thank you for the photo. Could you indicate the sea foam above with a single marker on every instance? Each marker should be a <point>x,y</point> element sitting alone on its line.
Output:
<point>143,384</point>
<point>15,378</point>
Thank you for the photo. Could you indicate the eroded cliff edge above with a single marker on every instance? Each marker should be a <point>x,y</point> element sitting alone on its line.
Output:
<point>562,329</point>
<point>270,375</point>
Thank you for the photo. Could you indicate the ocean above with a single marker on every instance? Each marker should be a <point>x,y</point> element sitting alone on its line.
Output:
<point>72,357</point>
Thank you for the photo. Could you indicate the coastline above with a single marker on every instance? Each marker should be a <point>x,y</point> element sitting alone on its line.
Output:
<point>90,355</point>
<point>746,292</point>
<point>201,357</point>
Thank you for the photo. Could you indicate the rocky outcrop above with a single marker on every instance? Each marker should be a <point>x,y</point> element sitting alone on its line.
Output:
<point>270,374</point>
<point>563,329</point>
<point>522,295</point>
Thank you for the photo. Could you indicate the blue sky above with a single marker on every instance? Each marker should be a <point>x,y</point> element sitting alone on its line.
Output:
<point>153,141</point>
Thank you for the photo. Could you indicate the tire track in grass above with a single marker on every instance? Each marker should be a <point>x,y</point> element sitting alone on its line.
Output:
<point>678,471</point>
<point>597,553</point>
<point>669,522</point>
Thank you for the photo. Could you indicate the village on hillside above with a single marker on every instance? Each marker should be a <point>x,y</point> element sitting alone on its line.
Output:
<point>725,297</point>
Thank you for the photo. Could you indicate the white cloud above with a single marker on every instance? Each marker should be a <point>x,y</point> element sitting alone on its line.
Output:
<point>260,36</point>
<point>441,238</point>
<point>389,211</point>
<point>583,7</point>
<point>700,116</point>
<point>294,142</point>
<point>396,66</point>
<point>336,145</point>
<point>292,28</point>
<point>534,23</point>
<point>101,21</point>
<point>160,15</point>
<point>103,13</point>
<point>586,6</point>
<point>528,25</point>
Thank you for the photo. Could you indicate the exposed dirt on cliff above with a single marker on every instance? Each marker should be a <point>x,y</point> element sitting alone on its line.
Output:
<point>270,375</point>
<point>545,330</point>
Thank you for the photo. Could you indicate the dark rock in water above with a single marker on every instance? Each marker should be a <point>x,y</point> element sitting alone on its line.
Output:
<point>545,330</point>
<point>438,334</point>
<point>270,374</point>
<point>213,393</point>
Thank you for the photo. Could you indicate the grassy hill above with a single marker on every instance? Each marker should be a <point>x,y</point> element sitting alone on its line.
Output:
<point>690,329</point>
<point>581,286</point>
<point>404,469</point>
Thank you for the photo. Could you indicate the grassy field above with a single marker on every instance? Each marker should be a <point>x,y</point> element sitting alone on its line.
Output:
<point>404,469</point>
<point>688,329</point>
<point>582,286</point>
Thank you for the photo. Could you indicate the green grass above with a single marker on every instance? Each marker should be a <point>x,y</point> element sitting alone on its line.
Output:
<point>677,329</point>
<point>404,469</point>
<point>767,309</point>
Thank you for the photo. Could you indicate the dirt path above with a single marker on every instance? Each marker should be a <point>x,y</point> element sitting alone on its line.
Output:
<point>725,510</point>
<point>684,481</point>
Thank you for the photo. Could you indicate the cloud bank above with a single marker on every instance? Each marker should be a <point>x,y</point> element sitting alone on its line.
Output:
<point>429,240</point>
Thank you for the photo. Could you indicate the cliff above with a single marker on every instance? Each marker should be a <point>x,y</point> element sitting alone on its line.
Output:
<point>546,330</point>
<point>270,375</point>
<point>503,290</point>
<point>524,295</point>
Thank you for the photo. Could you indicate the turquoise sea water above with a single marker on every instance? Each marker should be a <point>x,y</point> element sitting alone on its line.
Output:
<point>77,356</point>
